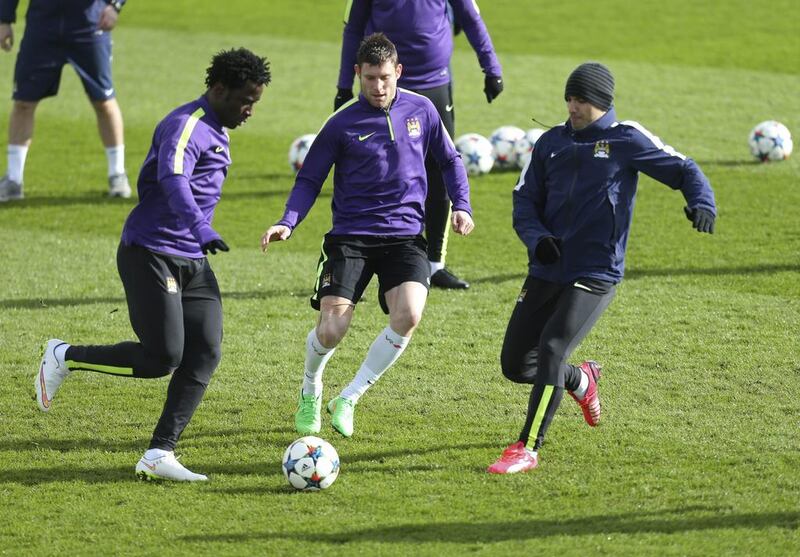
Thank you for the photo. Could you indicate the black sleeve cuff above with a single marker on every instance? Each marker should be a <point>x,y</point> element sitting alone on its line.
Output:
<point>116,4</point>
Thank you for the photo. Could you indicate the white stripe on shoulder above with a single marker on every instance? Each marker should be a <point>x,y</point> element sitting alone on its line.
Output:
<point>653,138</point>
<point>410,92</point>
<point>521,181</point>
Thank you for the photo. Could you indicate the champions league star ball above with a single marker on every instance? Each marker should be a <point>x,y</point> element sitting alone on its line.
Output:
<point>770,141</point>
<point>523,148</point>
<point>299,149</point>
<point>476,152</point>
<point>310,464</point>
<point>503,140</point>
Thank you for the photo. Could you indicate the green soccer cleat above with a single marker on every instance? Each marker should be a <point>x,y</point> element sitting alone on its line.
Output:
<point>341,411</point>
<point>307,419</point>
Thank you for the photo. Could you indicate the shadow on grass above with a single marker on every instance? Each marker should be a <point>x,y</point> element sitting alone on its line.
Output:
<point>352,463</point>
<point>45,303</point>
<point>670,521</point>
<point>633,274</point>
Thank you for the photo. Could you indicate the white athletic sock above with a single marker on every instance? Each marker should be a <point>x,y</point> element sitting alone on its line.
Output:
<point>436,266</point>
<point>316,358</point>
<point>116,160</point>
<point>584,386</point>
<point>16,162</point>
<point>385,350</point>
<point>152,454</point>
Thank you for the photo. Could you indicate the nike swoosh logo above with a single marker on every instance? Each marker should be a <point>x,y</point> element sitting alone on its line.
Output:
<point>108,92</point>
<point>365,137</point>
<point>219,149</point>
<point>552,155</point>
<point>449,108</point>
<point>45,400</point>
<point>150,466</point>
<point>582,287</point>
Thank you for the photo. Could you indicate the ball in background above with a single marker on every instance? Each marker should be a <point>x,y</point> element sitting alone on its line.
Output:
<point>476,152</point>
<point>299,149</point>
<point>503,140</point>
<point>310,464</point>
<point>525,145</point>
<point>770,141</point>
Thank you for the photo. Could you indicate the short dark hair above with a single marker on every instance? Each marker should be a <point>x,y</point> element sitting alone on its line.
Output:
<point>234,68</point>
<point>375,50</point>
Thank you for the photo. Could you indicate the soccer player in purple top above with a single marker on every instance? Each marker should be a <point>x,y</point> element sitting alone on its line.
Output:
<point>422,33</point>
<point>173,296</point>
<point>77,32</point>
<point>378,143</point>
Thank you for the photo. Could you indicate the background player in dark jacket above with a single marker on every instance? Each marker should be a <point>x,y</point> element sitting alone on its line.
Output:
<point>172,293</point>
<point>422,33</point>
<point>59,32</point>
<point>378,143</point>
<point>573,207</point>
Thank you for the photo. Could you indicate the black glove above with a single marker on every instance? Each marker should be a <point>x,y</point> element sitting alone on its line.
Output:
<point>702,219</point>
<point>492,86</point>
<point>342,96</point>
<point>213,246</point>
<point>548,250</point>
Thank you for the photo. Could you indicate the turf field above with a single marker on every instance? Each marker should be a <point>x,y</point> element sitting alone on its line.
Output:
<point>698,452</point>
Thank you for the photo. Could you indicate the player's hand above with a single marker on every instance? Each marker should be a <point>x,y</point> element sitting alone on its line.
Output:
<point>702,219</point>
<point>213,246</point>
<point>275,233</point>
<point>462,223</point>
<point>6,36</point>
<point>108,19</point>
<point>548,250</point>
<point>492,86</point>
<point>342,96</point>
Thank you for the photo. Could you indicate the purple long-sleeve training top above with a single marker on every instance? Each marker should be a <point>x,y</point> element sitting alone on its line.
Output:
<point>379,180</point>
<point>421,31</point>
<point>180,183</point>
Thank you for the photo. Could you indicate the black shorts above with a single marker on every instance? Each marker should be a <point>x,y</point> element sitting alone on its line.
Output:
<point>347,264</point>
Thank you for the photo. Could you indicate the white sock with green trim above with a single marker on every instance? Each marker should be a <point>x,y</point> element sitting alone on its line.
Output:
<point>316,358</point>
<point>16,162</point>
<point>385,350</point>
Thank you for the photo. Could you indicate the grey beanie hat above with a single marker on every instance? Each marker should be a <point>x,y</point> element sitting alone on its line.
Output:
<point>591,81</point>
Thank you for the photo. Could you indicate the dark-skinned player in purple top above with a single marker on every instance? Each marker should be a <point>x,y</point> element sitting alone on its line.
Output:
<point>378,143</point>
<point>422,32</point>
<point>172,293</point>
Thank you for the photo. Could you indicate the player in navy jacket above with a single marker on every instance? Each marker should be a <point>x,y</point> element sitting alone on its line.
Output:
<point>423,35</point>
<point>572,209</point>
<point>58,32</point>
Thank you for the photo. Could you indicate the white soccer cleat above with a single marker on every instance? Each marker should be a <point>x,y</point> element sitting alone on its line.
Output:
<point>118,186</point>
<point>166,467</point>
<point>51,374</point>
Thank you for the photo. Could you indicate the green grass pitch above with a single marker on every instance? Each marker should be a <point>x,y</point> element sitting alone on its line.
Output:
<point>698,452</point>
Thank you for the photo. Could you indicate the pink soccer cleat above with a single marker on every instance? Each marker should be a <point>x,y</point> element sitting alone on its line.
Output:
<point>590,403</point>
<point>515,458</point>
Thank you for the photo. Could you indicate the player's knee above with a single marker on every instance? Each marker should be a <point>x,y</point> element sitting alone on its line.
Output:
<point>515,367</point>
<point>25,107</point>
<point>330,333</point>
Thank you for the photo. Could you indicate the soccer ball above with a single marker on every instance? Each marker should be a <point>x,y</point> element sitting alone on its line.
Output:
<point>770,141</point>
<point>310,464</point>
<point>476,151</point>
<point>523,148</point>
<point>503,140</point>
<point>299,149</point>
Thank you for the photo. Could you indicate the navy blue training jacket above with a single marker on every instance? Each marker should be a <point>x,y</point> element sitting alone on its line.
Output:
<point>580,187</point>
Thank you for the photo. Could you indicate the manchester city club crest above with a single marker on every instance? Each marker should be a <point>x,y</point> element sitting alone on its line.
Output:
<point>602,150</point>
<point>413,126</point>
